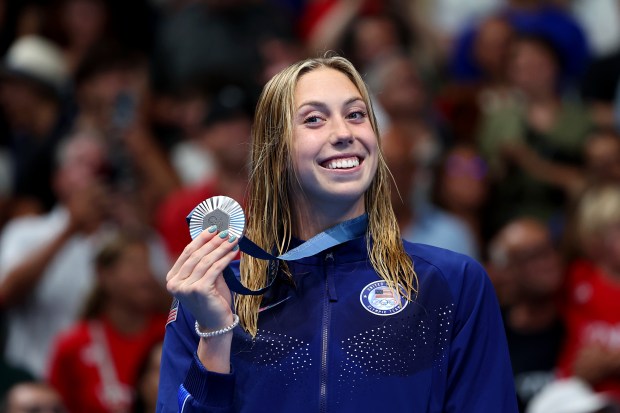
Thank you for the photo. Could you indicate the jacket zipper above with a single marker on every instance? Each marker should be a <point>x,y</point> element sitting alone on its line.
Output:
<point>329,258</point>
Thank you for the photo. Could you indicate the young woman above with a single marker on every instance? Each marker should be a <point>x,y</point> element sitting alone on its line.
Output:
<point>353,328</point>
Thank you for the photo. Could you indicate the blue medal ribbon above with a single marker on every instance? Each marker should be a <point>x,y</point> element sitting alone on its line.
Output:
<point>336,235</point>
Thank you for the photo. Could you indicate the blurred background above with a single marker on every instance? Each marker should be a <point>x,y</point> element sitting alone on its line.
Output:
<point>500,122</point>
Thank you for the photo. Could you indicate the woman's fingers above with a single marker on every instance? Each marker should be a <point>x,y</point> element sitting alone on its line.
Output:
<point>195,279</point>
<point>217,268</point>
<point>211,264</point>
<point>198,242</point>
<point>202,261</point>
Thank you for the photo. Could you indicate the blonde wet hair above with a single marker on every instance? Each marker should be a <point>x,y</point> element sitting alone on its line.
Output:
<point>270,221</point>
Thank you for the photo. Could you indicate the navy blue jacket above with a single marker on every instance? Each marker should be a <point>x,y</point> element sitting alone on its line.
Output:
<point>339,341</point>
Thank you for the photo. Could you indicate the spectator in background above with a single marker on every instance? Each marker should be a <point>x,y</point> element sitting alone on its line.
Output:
<point>534,141</point>
<point>571,396</point>
<point>226,136</point>
<point>400,92</point>
<point>592,300</point>
<point>461,187</point>
<point>412,143</point>
<point>233,32</point>
<point>33,81</point>
<point>106,72</point>
<point>113,102</point>
<point>372,36</point>
<point>323,25</point>
<point>599,89</point>
<point>528,274</point>
<point>482,60</point>
<point>20,18</point>
<point>30,397</point>
<point>602,157</point>
<point>45,260</point>
<point>77,25</point>
<point>367,30</point>
<point>95,362</point>
<point>448,18</point>
<point>175,118</point>
<point>527,18</point>
<point>601,154</point>
<point>481,53</point>
<point>421,221</point>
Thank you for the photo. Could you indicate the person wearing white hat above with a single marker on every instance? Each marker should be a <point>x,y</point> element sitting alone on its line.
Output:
<point>38,59</point>
<point>33,82</point>
<point>571,395</point>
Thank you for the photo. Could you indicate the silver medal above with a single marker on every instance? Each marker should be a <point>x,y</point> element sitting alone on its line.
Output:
<point>222,211</point>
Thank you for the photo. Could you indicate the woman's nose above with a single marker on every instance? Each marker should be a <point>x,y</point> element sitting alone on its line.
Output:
<point>342,132</point>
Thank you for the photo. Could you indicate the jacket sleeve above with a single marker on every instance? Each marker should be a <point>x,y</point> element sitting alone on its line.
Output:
<point>480,375</point>
<point>185,385</point>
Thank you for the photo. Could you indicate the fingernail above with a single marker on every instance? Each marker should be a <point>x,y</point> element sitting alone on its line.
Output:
<point>212,229</point>
<point>235,248</point>
<point>224,234</point>
<point>232,239</point>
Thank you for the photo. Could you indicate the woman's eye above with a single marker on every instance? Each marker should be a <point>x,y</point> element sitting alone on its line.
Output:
<point>312,119</point>
<point>359,114</point>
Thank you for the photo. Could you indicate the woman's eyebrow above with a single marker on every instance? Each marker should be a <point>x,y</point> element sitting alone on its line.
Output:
<point>315,104</point>
<point>323,106</point>
<point>354,100</point>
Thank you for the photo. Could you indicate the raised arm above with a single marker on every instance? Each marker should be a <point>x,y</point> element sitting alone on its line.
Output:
<point>194,373</point>
<point>18,282</point>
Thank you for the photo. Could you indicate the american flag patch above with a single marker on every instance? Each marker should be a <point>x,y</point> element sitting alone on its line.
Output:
<point>174,310</point>
<point>384,293</point>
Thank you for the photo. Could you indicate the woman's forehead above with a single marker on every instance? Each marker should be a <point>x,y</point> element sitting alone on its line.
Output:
<point>324,84</point>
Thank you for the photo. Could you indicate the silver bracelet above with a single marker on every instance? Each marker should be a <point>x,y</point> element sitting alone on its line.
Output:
<point>219,332</point>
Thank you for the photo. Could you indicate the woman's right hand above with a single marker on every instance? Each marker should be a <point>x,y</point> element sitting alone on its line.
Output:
<point>196,278</point>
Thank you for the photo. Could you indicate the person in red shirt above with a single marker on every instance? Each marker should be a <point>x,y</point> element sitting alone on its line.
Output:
<point>95,363</point>
<point>592,302</point>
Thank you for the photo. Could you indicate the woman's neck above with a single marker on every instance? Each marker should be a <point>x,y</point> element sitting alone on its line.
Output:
<point>310,219</point>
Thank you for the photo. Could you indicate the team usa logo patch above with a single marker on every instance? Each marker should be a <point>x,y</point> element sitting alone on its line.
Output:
<point>382,300</point>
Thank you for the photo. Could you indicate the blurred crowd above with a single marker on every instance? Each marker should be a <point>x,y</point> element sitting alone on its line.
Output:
<point>500,122</point>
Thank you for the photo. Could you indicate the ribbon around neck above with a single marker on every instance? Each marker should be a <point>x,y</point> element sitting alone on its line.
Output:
<point>226,213</point>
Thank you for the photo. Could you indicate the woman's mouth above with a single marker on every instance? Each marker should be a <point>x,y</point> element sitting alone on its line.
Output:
<point>342,163</point>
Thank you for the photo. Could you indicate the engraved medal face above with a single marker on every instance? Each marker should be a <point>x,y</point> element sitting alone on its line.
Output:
<point>222,211</point>
<point>218,218</point>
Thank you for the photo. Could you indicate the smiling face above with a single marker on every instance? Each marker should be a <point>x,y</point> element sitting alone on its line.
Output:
<point>334,146</point>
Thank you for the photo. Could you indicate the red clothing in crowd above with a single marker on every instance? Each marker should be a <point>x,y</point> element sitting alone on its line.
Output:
<point>592,317</point>
<point>316,11</point>
<point>94,367</point>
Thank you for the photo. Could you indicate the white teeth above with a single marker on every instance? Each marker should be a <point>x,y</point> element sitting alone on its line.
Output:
<point>343,163</point>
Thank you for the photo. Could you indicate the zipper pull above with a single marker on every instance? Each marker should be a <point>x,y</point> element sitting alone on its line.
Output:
<point>331,283</point>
